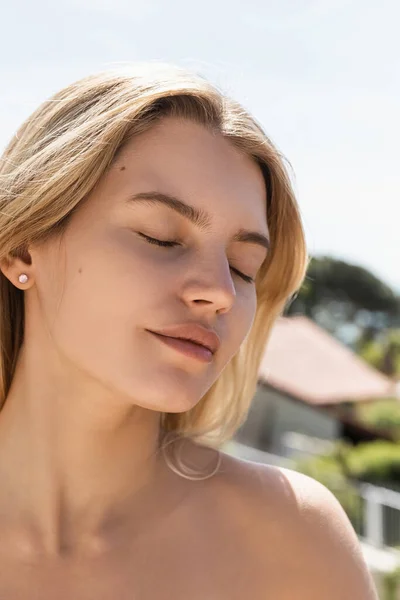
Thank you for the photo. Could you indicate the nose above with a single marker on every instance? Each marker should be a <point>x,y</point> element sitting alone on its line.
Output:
<point>210,283</point>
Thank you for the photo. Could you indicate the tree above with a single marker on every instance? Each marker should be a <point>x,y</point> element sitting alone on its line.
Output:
<point>381,350</point>
<point>347,300</point>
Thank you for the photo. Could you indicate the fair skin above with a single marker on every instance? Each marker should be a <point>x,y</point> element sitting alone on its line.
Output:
<point>88,508</point>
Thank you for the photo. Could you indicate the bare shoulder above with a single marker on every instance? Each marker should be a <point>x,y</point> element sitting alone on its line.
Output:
<point>299,532</point>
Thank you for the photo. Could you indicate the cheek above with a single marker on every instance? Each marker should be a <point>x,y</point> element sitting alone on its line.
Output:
<point>92,316</point>
<point>246,308</point>
<point>108,292</point>
<point>240,322</point>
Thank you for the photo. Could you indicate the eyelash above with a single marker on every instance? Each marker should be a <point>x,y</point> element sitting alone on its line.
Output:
<point>169,244</point>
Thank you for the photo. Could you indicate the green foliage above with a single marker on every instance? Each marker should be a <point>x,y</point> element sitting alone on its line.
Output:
<point>377,462</point>
<point>372,352</point>
<point>382,414</point>
<point>391,584</point>
<point>382,353</point>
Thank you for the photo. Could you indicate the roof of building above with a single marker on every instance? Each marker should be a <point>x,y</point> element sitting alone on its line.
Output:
<point>303,360</point>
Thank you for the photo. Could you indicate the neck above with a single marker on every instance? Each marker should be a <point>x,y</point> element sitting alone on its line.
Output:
<point>85,459</point>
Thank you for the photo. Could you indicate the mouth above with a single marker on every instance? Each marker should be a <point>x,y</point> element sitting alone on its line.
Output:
<point>186,347</point>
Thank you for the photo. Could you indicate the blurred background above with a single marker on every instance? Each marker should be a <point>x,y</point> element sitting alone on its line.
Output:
<point>323,79</point>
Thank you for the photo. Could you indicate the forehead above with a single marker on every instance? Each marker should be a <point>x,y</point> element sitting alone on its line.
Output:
<point>183,158</point>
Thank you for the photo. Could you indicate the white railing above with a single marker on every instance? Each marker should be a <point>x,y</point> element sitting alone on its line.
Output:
<point>381,515</point>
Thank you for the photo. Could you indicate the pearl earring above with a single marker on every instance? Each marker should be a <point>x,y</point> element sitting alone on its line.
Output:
<point>23,278</point>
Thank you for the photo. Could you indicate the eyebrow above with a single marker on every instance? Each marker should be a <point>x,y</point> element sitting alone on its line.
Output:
<point>199,217</point>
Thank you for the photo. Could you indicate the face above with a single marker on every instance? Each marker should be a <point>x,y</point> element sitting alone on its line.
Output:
<point>105,284</point>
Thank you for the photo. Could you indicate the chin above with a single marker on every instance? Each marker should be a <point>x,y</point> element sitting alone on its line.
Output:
<point>176,404</point>
<point>154,397</point>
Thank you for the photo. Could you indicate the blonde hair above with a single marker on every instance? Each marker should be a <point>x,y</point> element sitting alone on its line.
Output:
<point>59,154</point>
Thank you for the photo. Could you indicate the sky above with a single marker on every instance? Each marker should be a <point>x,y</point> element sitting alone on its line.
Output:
<point>321,76</point>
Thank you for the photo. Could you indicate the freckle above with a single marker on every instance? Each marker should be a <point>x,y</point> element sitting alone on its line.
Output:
<point>122,168</point>
<point>80,270</point>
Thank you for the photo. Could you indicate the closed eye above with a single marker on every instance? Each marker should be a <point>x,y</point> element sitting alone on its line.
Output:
<point>171,244</point>
<point>151,240</point>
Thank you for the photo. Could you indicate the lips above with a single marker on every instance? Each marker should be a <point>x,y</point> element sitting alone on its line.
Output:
<point>192,332</point>
<point>185,347</point>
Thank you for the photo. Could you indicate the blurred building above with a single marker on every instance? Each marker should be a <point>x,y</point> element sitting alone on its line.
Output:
<point>308,386</point>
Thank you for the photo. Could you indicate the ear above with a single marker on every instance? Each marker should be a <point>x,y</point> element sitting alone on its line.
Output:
<point>15,264</point>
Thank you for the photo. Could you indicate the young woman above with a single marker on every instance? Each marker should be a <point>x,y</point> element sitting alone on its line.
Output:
<point>140,208</point>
